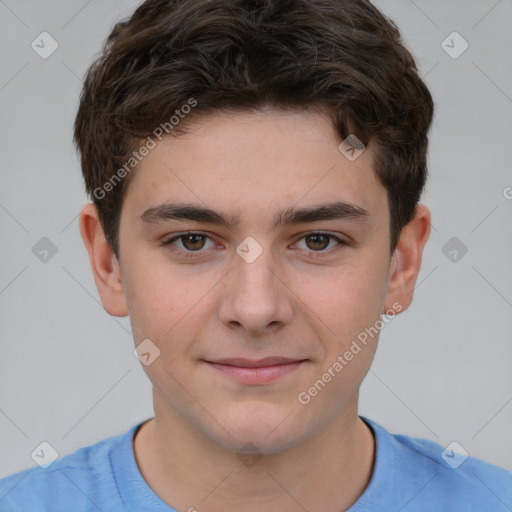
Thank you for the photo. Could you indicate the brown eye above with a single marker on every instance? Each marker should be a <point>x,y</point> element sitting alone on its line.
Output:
<point>189,243</point>
<point>318,242</point>
<point>193,242</point>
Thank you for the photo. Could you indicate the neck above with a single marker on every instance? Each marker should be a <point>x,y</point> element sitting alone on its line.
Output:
<point>188,471</point>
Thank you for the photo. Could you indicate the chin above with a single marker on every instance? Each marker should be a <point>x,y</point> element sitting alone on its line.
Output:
<point>259,429</point>
<point>252,441</point>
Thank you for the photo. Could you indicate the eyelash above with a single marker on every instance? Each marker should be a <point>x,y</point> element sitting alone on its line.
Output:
<point>312,254</point>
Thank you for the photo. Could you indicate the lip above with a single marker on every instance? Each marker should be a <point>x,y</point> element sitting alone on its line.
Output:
<point>260,371</point>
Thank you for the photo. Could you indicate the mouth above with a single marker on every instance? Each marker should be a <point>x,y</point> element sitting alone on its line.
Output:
<point>260,371</point>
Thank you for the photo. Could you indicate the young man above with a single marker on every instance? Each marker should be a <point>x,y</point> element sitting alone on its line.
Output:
<point>255,169</point>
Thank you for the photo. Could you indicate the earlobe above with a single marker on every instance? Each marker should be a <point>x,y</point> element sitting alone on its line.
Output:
<point>104,264</point>
<point>406,261</point>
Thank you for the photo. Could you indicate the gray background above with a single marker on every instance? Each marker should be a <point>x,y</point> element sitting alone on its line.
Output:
<point>443,369</point>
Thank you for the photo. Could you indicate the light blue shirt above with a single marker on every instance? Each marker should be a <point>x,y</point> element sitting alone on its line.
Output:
<point>410,475</point>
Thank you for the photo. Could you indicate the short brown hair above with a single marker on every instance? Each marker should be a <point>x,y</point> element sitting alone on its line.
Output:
<point>343,57</point>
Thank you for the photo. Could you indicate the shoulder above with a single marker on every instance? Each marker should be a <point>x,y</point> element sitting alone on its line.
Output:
<point>445,477</point>
<point>76,481</point>
<point>452,463</point>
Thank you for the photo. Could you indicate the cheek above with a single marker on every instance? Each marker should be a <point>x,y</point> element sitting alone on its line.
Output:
<point>347,301</point>
<point>153,302</point>
<point>166,304</point>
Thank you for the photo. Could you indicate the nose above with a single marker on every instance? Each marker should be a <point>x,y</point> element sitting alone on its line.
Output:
<point>255,297</point>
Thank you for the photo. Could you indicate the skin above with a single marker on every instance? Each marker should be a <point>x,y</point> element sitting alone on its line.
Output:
<point>286,303</point>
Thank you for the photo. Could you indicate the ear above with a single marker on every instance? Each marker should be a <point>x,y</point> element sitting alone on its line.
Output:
<point>104,264</point>
<point>406,261</point>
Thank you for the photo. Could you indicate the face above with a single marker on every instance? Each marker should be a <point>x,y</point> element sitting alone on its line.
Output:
<point>255,308</point>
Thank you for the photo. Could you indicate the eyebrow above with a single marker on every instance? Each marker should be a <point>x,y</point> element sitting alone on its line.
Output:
<point>290,216</point>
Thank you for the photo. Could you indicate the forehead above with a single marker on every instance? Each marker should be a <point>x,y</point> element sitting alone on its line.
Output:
<point>254,164</point>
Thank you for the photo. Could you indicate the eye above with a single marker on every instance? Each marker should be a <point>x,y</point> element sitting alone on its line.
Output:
<point>319,242</point>
<point>190,242</point>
